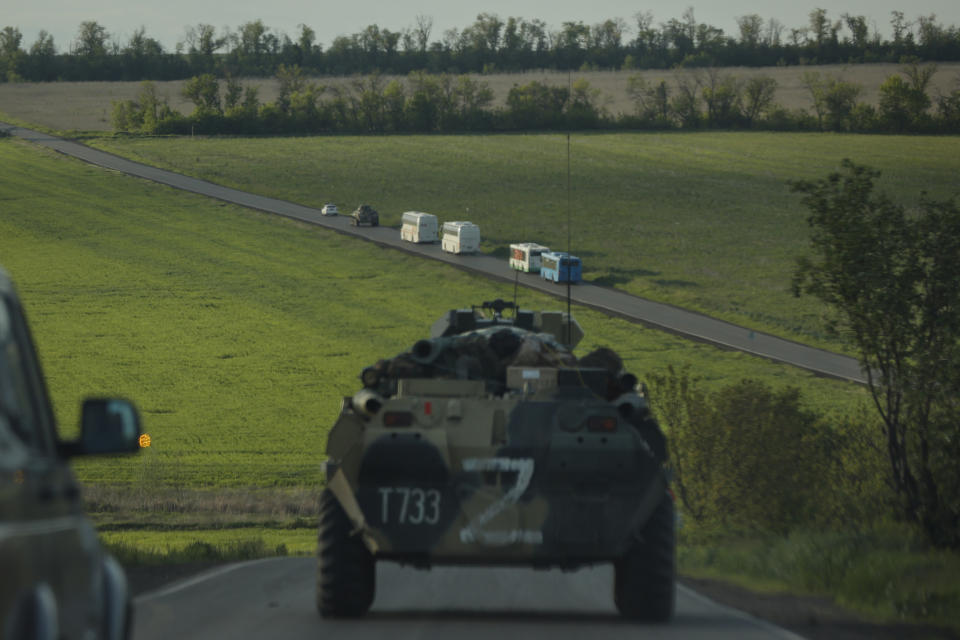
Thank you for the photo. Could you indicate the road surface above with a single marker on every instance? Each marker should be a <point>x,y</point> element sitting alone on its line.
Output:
<point>274,599</point>
<point>663,316</point>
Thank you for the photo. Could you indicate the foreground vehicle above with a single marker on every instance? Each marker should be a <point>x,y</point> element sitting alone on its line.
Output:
<point>55,579</point>
<point>490,443</point>
<point>329,209</point>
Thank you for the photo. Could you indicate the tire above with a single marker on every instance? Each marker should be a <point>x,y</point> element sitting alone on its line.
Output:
<point>644,580</point>
<point>346,571</point>
<point>34,617</point>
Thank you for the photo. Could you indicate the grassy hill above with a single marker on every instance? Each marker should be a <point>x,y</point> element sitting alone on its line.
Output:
<point>701,220</point>
<point>237,333</point>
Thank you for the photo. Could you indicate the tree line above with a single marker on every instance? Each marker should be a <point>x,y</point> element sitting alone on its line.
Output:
<point>489,44</point>
<point>422,102</point>
<point>749,459</point>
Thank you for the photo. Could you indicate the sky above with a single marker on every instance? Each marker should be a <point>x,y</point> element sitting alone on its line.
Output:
<point>166,20</point>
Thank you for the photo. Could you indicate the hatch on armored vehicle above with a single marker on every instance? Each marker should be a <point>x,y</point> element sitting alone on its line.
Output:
<point>492,443</point>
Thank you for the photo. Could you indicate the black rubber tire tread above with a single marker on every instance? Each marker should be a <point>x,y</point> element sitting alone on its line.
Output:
<point>644,583</point>
<point>346,570</point>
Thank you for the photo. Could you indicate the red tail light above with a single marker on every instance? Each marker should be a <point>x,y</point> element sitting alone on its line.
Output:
<point>397,419</point>
<point>605,424</point>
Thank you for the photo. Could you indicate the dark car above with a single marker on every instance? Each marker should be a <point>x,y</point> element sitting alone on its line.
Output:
<point>365,215</point>
<point>56,581</point>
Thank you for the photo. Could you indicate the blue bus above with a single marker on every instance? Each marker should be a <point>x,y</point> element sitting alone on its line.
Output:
<point>559,266</point>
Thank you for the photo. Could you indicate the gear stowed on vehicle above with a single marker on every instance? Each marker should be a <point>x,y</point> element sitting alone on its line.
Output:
<point>492,444</point>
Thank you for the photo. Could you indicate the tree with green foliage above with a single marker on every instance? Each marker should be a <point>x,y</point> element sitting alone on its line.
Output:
<point>583,108</point>
<point>722,96</point>
<point>889,276</point>
<point>91,40</point>
<point>758,95</point>
<point>840,101</point>
<point>652,102</point>
<point>685,104</point>
<point>204,92</point>
<point>537,105</point>
<point>472,100</point>
<point>904,102</point>
<point>744,458</point>
<point>146,114</point>
<point>948,111</point>
<point>11,55</point>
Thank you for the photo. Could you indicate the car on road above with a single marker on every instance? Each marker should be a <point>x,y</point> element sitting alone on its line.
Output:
<point>365,215</point>
<point>56,581</point>
<point>329,209</point>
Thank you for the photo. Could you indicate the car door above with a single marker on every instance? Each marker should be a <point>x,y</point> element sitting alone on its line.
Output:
<point>45,542</point>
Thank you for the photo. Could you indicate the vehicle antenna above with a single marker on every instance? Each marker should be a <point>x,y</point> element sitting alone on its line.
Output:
<point>516,284</point>
<point>569,316</point>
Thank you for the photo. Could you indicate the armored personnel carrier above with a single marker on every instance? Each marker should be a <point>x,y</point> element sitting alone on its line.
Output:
<point>491,443</point>
<point>365,215</point>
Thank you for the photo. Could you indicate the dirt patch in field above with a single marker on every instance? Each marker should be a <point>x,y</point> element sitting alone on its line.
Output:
<point>86,106</point>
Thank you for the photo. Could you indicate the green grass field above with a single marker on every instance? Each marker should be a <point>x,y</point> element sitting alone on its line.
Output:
<point>701,220</point>
<point>237,333</point>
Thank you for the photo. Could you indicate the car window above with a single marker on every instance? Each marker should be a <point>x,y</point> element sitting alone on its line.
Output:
<point>19,395</point>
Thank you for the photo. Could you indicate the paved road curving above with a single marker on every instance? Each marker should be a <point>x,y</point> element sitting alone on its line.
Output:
<point>275,599</point>
<point>663,316</point>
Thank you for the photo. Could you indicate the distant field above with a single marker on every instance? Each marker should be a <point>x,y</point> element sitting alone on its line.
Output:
<point>237,333</point>
<point>701,220</point>
<point>86,106</point>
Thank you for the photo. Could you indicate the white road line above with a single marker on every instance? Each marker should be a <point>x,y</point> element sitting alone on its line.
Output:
<point>743,615</point>
<point>198,579</point>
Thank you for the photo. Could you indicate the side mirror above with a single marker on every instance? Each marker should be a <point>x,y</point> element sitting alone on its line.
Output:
<point>108,425</point>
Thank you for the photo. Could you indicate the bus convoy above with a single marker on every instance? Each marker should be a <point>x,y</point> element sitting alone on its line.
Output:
<point>463,237</point>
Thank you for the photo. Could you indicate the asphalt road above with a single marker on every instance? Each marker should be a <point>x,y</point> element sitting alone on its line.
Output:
<point>275,599</point>
<point>663,316</point>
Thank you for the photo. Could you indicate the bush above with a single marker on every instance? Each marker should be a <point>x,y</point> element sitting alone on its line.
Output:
<point>749,459</point>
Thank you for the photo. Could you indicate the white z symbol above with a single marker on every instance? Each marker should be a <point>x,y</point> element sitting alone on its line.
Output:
<point>523,467</point>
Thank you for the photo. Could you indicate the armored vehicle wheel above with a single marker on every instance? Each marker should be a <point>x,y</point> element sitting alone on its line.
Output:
<point>644,578</point>
<point>346,573</point>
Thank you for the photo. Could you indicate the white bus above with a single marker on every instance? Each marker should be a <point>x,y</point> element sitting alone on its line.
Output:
<point>460,237</point>
<point>525,256</point>
<point>419,227</point>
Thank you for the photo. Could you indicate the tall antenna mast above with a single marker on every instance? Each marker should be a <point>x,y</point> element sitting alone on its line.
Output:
<point>516,283</point>
<point>569,316</point>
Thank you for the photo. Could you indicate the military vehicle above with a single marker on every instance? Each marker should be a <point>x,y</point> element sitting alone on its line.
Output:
<point>491,443</point>
<point>365,215</point>
<point>56,581</point>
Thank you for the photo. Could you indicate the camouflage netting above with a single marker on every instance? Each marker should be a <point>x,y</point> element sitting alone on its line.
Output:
<point>485,354</point>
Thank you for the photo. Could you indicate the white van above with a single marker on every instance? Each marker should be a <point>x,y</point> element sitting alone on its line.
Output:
<point>525,256</point>
<point>419,227</point>
<point>460,237</point>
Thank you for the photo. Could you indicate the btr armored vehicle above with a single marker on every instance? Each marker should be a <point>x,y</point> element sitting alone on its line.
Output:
<point>491,443</point>
<point>56,581</point>
<point>365,215</point>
